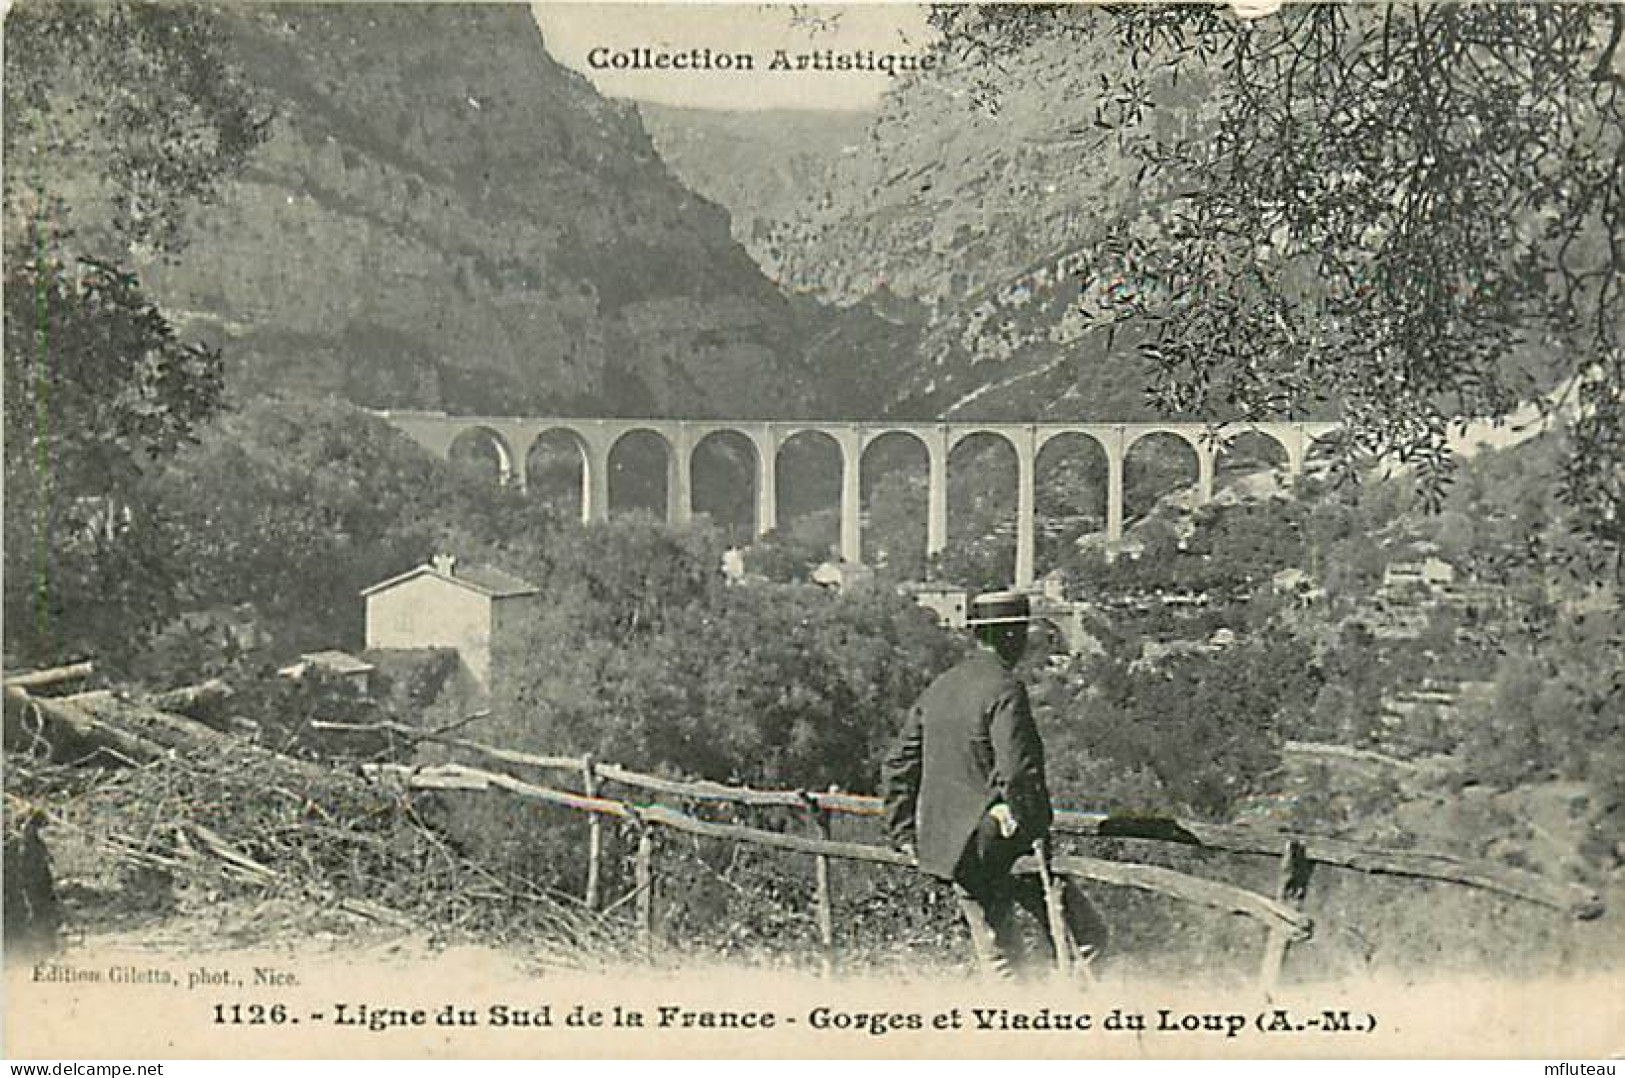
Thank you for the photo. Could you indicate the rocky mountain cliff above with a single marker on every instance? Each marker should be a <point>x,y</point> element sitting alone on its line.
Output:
<point>758,164</point>
<point>444,217</point>
<point>972,209</point>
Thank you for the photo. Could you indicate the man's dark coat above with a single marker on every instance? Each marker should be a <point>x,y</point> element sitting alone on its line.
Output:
<point>969,743</point>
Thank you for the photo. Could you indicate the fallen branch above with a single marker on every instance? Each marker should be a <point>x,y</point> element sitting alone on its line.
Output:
<point>218,847</point>
<point>526,759</point>
<point>437,733</point>
<point>55,675</point>
<point>164,731</point>
<point>69,729</point>
<point>187,698</point>
<point>1193,889</point>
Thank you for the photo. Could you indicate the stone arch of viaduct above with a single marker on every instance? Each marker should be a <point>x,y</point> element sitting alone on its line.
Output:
<point>512,438</point>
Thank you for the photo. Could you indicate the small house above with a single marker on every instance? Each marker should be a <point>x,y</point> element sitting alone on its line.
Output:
<point>337,664</point>
<point>445,604</point>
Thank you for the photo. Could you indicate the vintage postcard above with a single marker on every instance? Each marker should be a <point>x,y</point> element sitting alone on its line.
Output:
<point>770,530</point>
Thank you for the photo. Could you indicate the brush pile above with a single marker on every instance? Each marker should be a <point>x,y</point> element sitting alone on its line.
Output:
<point>175,806</point>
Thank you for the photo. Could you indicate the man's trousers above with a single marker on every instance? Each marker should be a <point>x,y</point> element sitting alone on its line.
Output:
<point>989,894</point>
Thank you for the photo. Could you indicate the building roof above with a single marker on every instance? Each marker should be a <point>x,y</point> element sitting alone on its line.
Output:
<point>337,662</point>
<point>498,583</point>
<point>341,661</point>
<point>483,579</point>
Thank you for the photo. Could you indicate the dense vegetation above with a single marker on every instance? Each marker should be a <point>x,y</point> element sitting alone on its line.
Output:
<point>1411,212</point>
<point>1319,655</point>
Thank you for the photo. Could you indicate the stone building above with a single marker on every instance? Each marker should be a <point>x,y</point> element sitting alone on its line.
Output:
<point>443,604</point>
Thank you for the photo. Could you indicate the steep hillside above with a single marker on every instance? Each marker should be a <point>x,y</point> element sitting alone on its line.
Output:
<point>755,164</point>
<point>977,212</point>
<point>445,217</point>
<point>1444,679</point>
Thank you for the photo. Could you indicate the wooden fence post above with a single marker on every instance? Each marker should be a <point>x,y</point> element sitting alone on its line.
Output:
<point>644,878</point>
<point>826,910</point>
<point>1291,888</point>
<point>595,834</point>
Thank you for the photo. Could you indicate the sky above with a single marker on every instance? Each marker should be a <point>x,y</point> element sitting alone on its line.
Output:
<point>572,31</point>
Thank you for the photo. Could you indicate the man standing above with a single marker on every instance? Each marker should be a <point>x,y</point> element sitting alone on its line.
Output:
<point>965,791</point>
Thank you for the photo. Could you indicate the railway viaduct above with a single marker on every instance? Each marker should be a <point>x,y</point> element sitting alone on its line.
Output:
<point>511,438</point>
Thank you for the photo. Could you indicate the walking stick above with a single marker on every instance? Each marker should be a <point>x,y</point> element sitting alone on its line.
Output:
<point>1055,906</point>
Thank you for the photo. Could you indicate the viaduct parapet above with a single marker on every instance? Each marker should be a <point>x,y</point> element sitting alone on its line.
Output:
<point>511,438</point>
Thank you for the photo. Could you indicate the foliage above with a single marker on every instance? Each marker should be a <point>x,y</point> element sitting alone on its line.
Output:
<point>119,117</point>
<point>1412,212</point>
<point>1230,550</point>
<point>1558,706</point>
<point>776,685</point>
<point>97,389</point>
<point>1552,700</point>
<point>1190,733</point>
<point>983,562</point>
<point>99,381</point>
<point>292,507</point>
<point>1358,672</point>
<point>894,528</point>
<point>785,557</point>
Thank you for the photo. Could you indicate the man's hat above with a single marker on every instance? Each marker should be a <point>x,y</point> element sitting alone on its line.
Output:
<point>998,608</point>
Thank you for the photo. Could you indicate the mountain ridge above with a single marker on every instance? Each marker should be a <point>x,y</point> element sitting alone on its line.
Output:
<point>474,227</point>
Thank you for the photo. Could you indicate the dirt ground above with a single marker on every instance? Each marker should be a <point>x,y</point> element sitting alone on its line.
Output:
<point>183,984</point>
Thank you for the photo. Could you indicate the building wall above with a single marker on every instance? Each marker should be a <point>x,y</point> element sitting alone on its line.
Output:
<point>428,612</point>
<point>949,606</point>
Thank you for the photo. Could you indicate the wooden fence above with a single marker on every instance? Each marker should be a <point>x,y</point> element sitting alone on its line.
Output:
<point>152,731</point>
<point>1280,915</point>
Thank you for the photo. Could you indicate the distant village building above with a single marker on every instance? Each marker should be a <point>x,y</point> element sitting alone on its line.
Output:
<point>1474,598</point>
<point>444,604</point>
<point>1070,620</point>
<point>1429,573</point>
<point>840,575</point>
<point>1413,591</point>
<point>949,602</point>
<point>338,664</point>
<point>1298,584</point>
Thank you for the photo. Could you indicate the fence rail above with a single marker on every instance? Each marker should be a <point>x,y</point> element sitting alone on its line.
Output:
<point>1280,915</point>
<point>1569,898</point>
<point>1221,896</point>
